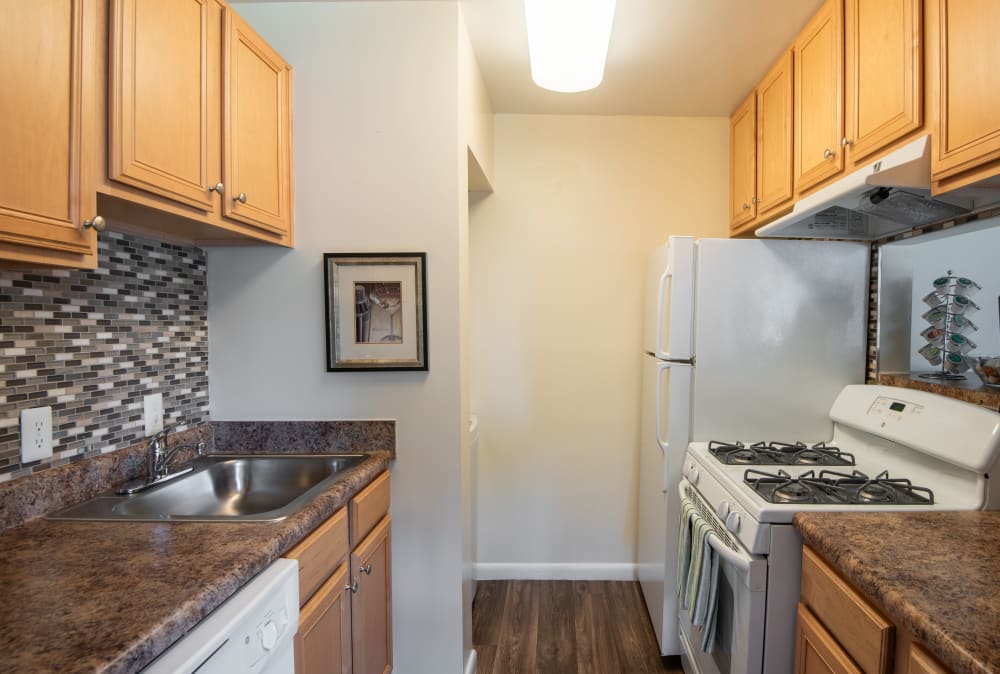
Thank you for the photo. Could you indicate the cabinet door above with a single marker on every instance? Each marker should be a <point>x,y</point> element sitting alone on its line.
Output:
<point>884,73</point>
<point>47,178</point>
<point>774,136</point>
<point>257,130</point>
<point>323,642</point>
<point>371,605</point>
<point>160,98</point>
<point>819,97</point>
<point>742,163</point>
<point>816,652</point>
<point>967,95</point>
<point>922,662</point>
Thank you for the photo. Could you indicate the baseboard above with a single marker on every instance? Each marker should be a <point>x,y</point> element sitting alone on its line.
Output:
<point>504,571</point>
<point>470,663</point>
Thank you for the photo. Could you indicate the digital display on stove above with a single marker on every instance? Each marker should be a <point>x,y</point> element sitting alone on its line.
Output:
<point>897,407</point>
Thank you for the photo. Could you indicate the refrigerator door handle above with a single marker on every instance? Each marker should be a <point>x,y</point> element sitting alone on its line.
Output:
<point>660,368</point>
<point>661,291</point>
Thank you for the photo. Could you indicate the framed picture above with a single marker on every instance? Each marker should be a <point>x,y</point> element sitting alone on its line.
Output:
<point>376,311</point>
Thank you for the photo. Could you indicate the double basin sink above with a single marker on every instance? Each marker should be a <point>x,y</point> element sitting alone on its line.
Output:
<point>219,487</point>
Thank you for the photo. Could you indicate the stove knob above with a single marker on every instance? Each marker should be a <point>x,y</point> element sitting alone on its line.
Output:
<point>722,510</point>
<point>733,522</point>
<point>693,475</point>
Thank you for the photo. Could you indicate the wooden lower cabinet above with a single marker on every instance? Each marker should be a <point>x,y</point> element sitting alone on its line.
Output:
<point>840,631</point>
<point>816,651</point>
<point>371,605</point>
<point>323,642</point>
<point>345,621</point>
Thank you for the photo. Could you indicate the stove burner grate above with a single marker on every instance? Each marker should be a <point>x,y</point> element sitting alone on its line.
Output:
<point>779,453</point>
<point>831,487</point>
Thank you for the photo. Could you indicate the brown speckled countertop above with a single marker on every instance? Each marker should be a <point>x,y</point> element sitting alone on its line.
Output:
<point>970,390</point>
<point>110,596</point>
<point>935,574</point>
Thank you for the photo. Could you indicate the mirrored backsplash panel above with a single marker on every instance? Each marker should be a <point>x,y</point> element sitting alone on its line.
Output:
<point>92,343</point>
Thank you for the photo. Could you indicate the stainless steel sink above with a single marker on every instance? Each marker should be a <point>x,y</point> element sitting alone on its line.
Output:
<point>248,488</point>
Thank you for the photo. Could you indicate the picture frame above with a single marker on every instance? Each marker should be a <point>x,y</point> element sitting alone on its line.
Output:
<point>376,311</point>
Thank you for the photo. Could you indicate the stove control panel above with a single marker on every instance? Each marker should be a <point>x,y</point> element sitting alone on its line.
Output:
<point>953,431</point>
<point>890,409</point>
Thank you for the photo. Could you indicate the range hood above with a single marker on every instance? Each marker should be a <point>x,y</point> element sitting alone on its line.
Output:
<point>886,197</point>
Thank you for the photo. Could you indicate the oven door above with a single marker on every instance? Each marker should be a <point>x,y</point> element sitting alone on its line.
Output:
<point>738,647</point>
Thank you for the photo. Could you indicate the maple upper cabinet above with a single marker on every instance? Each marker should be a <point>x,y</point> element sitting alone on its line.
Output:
<point>258,131</point>
<point>47,182</point>
<point>965,60</point>
<point>162,95</point>
<point>883,66</point>
<point>743,164</point>
<point>819,97</point>
<point>199,123</point>
<point>774,138</point>
<point>760,143</point>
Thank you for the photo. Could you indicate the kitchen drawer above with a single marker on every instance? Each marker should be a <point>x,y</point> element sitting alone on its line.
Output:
<point>320,553</point>
<point>862,631</point>
<point>368,507</point>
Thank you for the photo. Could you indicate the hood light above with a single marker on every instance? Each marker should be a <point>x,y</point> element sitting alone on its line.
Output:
<point>568,42</point>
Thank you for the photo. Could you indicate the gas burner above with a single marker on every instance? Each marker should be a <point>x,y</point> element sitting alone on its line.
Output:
<point>779,453</point>
<point>782,487</point>
<point>837,488</point>
<point>859,489</point>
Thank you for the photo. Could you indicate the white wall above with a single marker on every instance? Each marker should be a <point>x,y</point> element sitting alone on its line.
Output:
<point>911,265</point>
<point>376,122</point>
<point>557,257</point>
<point>475,148</point>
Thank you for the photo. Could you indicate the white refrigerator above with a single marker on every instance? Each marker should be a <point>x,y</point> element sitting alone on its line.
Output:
<point>743,340</point>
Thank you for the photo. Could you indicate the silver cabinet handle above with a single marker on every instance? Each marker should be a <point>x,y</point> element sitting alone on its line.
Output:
<point>755,201</point>
<point>97,224</point>
<point>218,188</point>
<point>353,587</point>
<point>827,153</point>
<point>241,197</point>
<point>366,569</point>
<point>844,142</point>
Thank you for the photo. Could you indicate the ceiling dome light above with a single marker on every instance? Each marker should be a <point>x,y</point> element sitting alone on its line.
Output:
<point>568,42</point>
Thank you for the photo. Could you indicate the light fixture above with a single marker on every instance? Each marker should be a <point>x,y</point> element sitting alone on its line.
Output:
<point>568,42</point>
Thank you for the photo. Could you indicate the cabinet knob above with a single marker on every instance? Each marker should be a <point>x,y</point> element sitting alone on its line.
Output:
<point>97,224</point>
<point>353,587</point>
<point>218,188</point>
<point>755,201</point>
<point>241,197</point>
<point>366,569</point>
<point>844,142</point>
<point>746,206</point>
<point>827,154</point>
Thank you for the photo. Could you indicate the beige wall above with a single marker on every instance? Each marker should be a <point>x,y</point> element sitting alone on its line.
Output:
<point>557,258</point>
<point>377,168</point>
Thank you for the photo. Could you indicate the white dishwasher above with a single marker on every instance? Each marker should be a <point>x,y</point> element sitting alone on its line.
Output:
<point>252,631</point>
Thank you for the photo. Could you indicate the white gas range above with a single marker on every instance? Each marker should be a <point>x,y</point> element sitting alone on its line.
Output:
<point>892,449</point>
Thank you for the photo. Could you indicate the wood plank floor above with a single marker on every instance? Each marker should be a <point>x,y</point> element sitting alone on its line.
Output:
<point>563,627</point>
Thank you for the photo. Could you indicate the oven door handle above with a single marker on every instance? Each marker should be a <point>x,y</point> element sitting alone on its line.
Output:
<point>741,563</point>
<point>753,568</point>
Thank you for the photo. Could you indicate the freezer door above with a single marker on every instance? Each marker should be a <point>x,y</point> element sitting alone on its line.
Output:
<point>669,296</point>
<point>665,423</point>
<point>780,331</point>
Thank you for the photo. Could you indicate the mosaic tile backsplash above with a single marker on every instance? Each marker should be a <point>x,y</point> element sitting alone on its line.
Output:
<point>91,344</point>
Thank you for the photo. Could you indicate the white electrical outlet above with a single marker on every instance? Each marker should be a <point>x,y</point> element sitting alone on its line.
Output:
<point>153,413</point>
<point>36,434</point>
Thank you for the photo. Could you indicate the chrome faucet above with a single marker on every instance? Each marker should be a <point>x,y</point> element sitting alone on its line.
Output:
<point>158,458</point>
